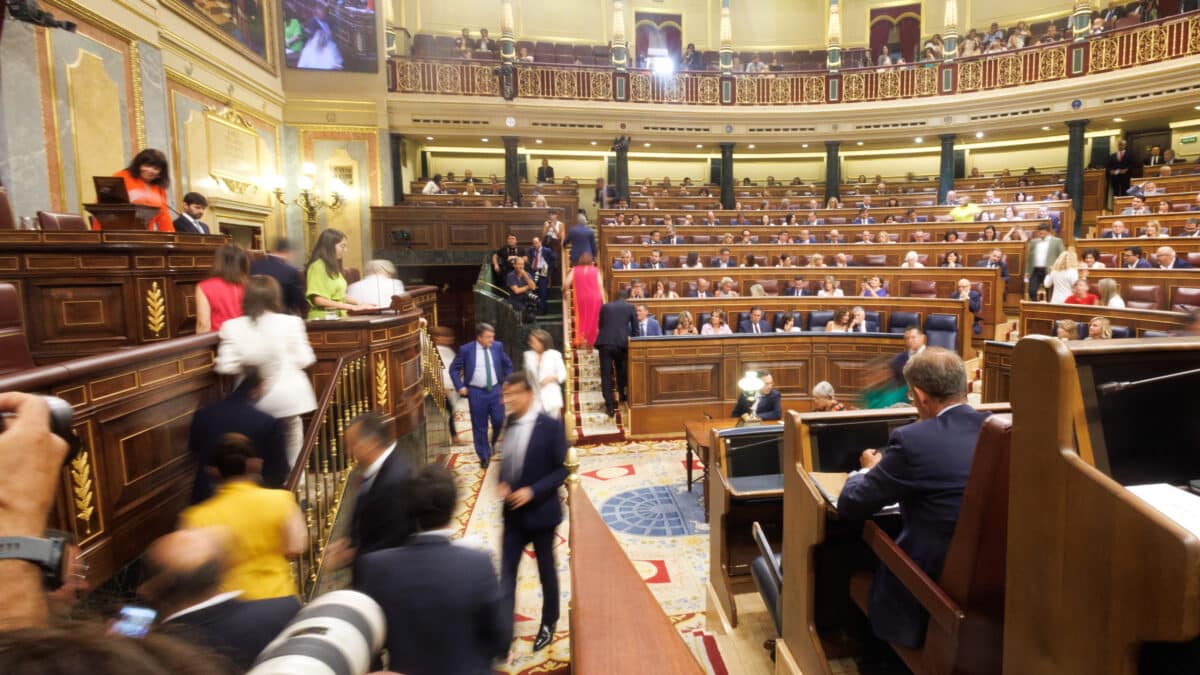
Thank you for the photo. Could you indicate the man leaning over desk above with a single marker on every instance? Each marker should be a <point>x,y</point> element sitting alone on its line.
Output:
<point>924,467</point>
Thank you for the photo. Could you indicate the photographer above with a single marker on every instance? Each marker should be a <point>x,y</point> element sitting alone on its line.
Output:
<point>522,286</point>
<point>502,259</point>
<point>31,459</point>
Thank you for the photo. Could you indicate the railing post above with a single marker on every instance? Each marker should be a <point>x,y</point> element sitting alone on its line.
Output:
<point>833,38</point>
<point>620,52</point>
<point>1081,20</point>
<point>950,32</point>
<point>726,48</point>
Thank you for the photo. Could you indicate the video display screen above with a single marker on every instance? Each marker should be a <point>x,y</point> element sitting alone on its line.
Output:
<point>320,35</point>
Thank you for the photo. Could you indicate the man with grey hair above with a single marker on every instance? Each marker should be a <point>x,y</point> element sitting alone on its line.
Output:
<point>924,467</point>
<point>1167,259</point>
<point>825,398</point>
<point>378,284</point>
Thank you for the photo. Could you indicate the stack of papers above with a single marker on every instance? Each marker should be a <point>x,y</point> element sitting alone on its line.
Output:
<point>1181,506</point>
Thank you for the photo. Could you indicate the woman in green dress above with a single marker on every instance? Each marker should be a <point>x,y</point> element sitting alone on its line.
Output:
<point>326,285</point>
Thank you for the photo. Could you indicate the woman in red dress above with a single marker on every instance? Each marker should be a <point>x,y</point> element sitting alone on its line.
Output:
<point>219,297</point>
<point>146,180</point>
<point>585,278</point>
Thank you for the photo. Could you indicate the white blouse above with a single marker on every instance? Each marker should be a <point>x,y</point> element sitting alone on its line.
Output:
<point>550,365</point>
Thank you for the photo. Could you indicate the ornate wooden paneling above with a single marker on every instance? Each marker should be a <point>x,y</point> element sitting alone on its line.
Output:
<point>451,228</point>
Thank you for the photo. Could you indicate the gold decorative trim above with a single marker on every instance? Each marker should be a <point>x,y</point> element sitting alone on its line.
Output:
<point>139,107</point>
<point>156,309</point>
<point>81,486</point>
<point>381,380</point>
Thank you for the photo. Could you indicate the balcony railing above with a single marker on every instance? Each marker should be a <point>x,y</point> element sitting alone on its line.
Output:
<point>1163,40</point>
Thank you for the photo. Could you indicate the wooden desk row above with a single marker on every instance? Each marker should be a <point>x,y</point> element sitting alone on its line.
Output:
<point>400,229</point>
<point>846,213</point>
<point>1173,221</point>
<point>484,186</point>
<point>568,204</point>
<point>617,236</point>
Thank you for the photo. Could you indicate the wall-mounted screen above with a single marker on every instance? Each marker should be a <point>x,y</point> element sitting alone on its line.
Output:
<point>320,35</point>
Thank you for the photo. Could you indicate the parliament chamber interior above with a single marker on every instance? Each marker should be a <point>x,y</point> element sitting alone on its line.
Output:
<point>818,337</point>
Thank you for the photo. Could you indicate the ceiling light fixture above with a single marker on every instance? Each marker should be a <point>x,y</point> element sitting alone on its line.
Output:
<point>978,134</point>
<point>429,138</point>
<point>1118,119</point>
<point>645,145</point>
<point>751,146</point>
<point>538,141</point>
<point>804,145</point>
<point>699,145</point>
<point>593,142</point>
<point>859,143</point>
<point>484,140</point>
<point>918,139</point>
<point>1046,128</point>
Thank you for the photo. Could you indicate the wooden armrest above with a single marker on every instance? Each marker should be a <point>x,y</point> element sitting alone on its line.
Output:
<point>942,608</point>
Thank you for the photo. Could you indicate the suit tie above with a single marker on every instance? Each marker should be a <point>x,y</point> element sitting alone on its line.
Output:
<point>756,328</point>
<point>643,328</point>
<point>489,375</point>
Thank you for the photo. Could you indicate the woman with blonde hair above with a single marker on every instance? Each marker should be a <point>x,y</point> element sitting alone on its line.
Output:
<point>1067,330</point>
<point>1062,276</point>
<point>686,325</point>
<point>829,288</point>
<point>1110,294</point>
<point>1099,328</point>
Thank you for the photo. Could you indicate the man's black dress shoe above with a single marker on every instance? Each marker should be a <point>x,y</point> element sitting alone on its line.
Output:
<point>483,463</point>
<point>544,636</point>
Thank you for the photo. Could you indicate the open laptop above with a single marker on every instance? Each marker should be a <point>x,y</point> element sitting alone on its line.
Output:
<point>110,190</point>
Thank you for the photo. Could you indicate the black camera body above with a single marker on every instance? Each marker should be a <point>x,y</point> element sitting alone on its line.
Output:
<point>62,420</point>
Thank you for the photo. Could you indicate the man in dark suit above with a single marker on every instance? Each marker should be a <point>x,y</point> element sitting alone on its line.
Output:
<point>723,260</point>
<point>1131,258</point>
<point>672,238</point>
<point>1167,259</point>
<point>545,172</point>
<point>701,290</point>
<point>383,476</point>
<point>924,467</point>
<point>605,195</point>
<point>626,261</point>
<point>1116,231</point>
<point>182,581</point>
<point>864,218</point>
<point>279,265</point>
<point>974,301</point>
<point>535,447</point>
<point>796,288</point>
<point>1120,164</point>
<point>914,343</point>
<point>541,262</point>
<point>648,326</point>
<point>444,609</point>
<point>189,221</point>
<point>485,42</point>
<point>767,404</point>
<point>236,414</point>
<point>755,323</point>
<point>656,262</point>
<point>477,371</point>
<point>581,239</point>
<point>995,259</point>
<point>618,323</point>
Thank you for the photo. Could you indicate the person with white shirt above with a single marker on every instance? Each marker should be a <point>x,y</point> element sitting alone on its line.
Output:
<point>1042,251</point>
<point>1110,294</point>
<point>545,367</point>
<point>434,186</point>
<point>378,286</point>
<point>829,288</point>
<point>912,260</point>
<point>1062,276</point>
<point>194,205</point>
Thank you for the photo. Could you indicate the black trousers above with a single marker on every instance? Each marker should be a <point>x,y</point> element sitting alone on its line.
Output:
<point>515,540</point>
<point>613,356</point>
<point>1036,279</point>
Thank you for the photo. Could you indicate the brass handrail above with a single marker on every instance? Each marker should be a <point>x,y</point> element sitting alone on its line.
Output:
<point>318,479</point>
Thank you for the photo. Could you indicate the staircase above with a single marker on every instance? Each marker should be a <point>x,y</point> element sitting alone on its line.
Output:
<point>585,401</point>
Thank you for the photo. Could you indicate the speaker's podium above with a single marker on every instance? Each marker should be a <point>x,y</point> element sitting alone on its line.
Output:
<point>1103,570</point>
<point>122,216</point>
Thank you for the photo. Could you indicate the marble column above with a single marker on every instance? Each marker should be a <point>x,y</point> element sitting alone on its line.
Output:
<point>508,52</point>
<point>621,179</point>
<point>620,49</point>
<point>946,170</point>
<point>833,38</point>
<point>1075,164</point>
<point>727,200</point>
<point>1081,20</point>
<point>833,170</point>
<point>512,168</point>
<point>950,32</point>
<point>726,44</point>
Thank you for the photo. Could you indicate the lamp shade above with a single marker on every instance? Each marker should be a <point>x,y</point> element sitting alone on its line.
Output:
<point>751,382</point>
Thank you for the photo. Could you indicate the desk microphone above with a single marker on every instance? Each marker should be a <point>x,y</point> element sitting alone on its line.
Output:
<point>1109,388</point>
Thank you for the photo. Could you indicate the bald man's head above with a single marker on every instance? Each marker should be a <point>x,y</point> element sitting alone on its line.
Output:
<point>183,568</point>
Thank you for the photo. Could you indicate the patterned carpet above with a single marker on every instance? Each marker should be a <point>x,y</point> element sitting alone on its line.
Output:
<point>639,490</point>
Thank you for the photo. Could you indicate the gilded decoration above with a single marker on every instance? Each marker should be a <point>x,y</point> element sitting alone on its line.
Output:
<point>408,76</point>
<point>639,87</point>
<point>1052,63</point>
<point>672,88</point>
<point>1151,44</point>
<point>1104,54</point>
<point>564,84</point>
<point>970,75</point>
<point>709,89</point>
<point>1194,36</point>
<point>381,380</point>
<point>747,90</point>
<point>233,149</point>
<point>485,81</point>
<point>889,83</point>
<point>814,89</point>
<point>81,488</point>
<point>601,86</point>
<point>855,86</point>
<point>926,81</point>
<point>529,84</point>
<point>449,79</point>
<point>1008,71</point>
<point>781,90</point>
<point>156,309</point>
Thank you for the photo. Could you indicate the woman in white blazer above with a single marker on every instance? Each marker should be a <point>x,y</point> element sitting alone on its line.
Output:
<point>545,366</point>
<point>277,345</point>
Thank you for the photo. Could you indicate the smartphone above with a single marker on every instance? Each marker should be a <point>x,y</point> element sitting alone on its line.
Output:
<point>134,621</point>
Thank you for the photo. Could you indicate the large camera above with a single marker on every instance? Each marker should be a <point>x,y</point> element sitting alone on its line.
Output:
<point>62,417</point>
<point>339,632</point>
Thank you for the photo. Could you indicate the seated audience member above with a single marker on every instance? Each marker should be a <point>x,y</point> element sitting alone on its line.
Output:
<point>656,261</point>
<point>834,237</point>
<point>1016,233</point>
<point>924,467</point>
<point>724,260</point>
<point>864,217</point>
<point>866,237</point>
<point>237,414</point>
<point>711,219</point>
<point>883,238</point>
<point>995,259</point>
<point>825,398</point>
<point>1099,328</point>
<point>434,186</point>
<point>951,199</point>
<point>873,288</point>
<point>1154,230</point>
<point>1066,330</point>
<point>963,291</point>
<point>1091,259</point>
<point>989,234</point>
<point>749,261</point>
<point>841,321</point>
<point>1131,258</point>
<point>716,324</point>
<point>816,260</point>
<point>789,324</point>
<point>1168,260</point>
<point>911,260</point>
<point>637,289</point>
<point>726,290</point>
<point>785,260</point>
<point>1191,228</point>
<point>432,584</point>
<point>702,290</point>
<point>265,527</point>
<point>378,286</point>
<point>1081,294</point>
<point>990,197</point>
<point>964,211</point>
<point>829,288</point>
<point>182,581</point>
<point>951,260</point>
<point>1163,206</point>
<point>1110,294</point>
<point>727,239</point>
<point>662,292</point>
<point>766,404</point>
<point>951,237</point>
<point>1136,208</point>
<point>796,288</point>
<point>625,262</point>
<point>648,326</point>
<point>1117,231</point>
<point>757,291</point>
<point>858,320</point>
<point>1196,203</point>
<point>755,323</point>
<point>805,237</point>
<point>686,325</point>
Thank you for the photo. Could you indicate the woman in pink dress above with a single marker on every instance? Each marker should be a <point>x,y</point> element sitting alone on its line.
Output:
<point>588,283</point>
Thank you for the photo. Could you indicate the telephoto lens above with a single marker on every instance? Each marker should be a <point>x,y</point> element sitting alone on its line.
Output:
<point>336,634</point>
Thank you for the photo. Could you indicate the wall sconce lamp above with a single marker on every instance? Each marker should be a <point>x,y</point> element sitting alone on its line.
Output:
<point>310,201</point>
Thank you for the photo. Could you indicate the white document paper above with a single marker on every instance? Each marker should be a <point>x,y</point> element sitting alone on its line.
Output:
<point>1181,506</point>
